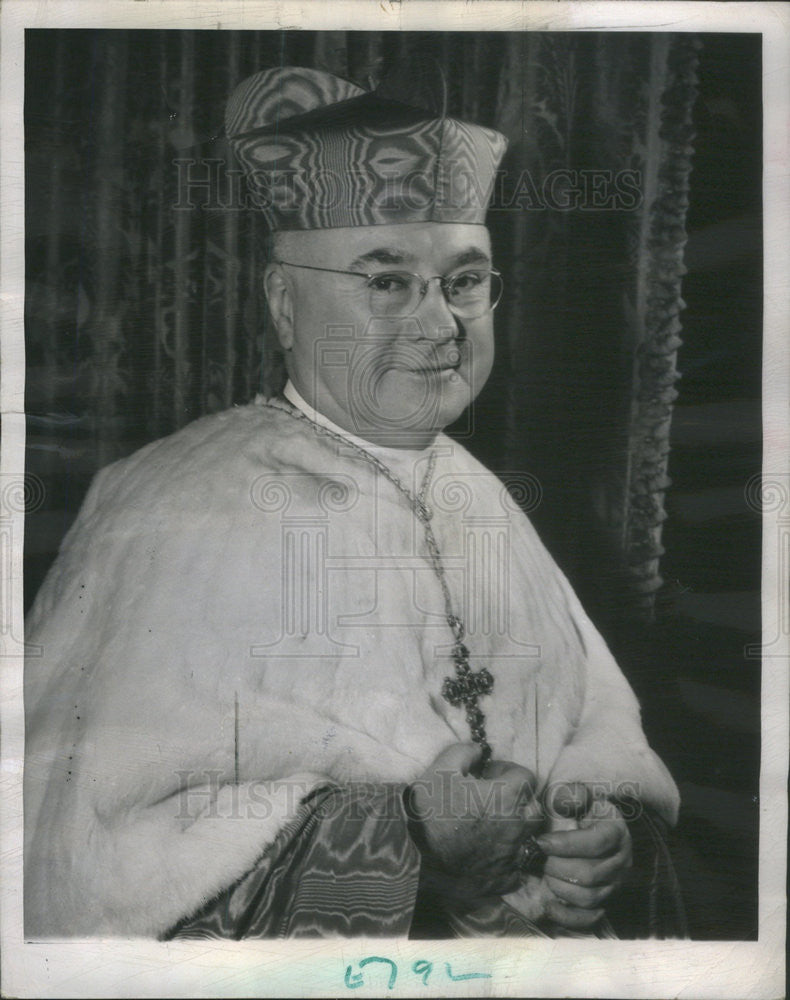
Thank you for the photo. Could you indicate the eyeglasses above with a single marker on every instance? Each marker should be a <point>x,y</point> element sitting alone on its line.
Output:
<point>469,294</point>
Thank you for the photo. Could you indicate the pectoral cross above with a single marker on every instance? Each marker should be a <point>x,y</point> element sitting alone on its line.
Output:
<point>464,689</point>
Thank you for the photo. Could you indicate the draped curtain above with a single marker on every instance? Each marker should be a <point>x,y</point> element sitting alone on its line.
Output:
<point>144,307</point>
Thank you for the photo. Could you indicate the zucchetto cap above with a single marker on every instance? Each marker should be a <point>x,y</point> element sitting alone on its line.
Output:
<point>320,152</point>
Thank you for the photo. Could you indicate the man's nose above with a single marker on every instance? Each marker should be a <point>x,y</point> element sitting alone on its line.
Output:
<point>436,321</point>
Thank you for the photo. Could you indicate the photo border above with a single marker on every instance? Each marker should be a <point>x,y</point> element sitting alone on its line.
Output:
<point>516,967</point>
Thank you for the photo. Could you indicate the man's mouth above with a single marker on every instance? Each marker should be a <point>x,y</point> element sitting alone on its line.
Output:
<point>435,369</point>
<point>440,362</point>
<point>450,363</point>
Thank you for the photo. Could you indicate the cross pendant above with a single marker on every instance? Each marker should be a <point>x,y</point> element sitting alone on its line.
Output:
<point>465,689</point>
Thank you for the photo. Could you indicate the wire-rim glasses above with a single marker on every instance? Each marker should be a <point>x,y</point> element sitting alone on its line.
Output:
<point>469,294</point>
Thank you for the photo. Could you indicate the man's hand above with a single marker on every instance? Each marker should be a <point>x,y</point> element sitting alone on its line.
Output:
<point>586,865</point>
<point>473,827</point>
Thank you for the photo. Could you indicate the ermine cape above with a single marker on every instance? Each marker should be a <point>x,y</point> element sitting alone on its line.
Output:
<point>247,608</point>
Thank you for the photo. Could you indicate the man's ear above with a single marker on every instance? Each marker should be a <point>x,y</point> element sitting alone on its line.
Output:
<point>280,301</point>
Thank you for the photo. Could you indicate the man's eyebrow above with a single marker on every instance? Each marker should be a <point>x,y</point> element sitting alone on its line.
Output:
<point>381,255</point>
<point>472,255</point>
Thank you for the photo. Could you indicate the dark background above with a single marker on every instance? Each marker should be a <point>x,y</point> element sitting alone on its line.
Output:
<point>139,319</point>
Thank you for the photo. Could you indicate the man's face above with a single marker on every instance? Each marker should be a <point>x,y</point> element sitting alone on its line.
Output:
<point>395,381</point>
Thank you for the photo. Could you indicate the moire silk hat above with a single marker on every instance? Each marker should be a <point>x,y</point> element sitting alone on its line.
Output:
<point>320,152</point>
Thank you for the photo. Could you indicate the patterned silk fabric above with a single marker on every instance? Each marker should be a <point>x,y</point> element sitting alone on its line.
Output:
<point>347,867</point>
<point>321,153</point>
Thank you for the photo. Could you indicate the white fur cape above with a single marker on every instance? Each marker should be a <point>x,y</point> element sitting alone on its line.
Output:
<point>240,612</point>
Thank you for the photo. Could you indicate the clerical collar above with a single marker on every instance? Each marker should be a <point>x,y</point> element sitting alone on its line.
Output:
<point>400,459</point>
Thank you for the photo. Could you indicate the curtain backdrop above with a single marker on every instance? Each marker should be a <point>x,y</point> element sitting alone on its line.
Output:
<point>144,307</point>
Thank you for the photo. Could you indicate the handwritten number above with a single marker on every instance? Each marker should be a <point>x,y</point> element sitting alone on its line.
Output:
<point>393,968</point>
<point>468,975</point>
<point>420,968</point>
<point>424,969</point>
<point>355,981</point>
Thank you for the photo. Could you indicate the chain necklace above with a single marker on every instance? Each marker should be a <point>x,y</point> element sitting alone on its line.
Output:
<point>468,685</point>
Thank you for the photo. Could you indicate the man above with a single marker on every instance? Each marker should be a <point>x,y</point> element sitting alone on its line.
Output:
<point>307,669</point>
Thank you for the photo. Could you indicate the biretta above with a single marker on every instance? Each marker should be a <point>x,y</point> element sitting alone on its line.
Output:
<point>320,152</point>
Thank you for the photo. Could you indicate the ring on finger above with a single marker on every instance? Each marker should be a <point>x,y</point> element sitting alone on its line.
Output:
<point>530,858</point>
